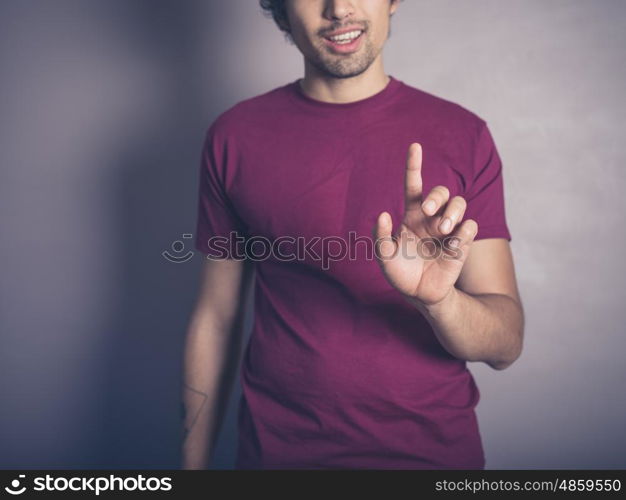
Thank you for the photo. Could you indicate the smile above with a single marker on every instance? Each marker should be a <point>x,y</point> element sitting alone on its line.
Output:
<point>345,43</point>
<point>345,38</point>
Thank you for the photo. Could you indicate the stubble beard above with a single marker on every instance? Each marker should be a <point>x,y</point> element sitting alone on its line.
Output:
<point>344,66</point>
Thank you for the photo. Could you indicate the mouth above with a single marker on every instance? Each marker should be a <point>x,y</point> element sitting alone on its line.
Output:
<point>345,41</point>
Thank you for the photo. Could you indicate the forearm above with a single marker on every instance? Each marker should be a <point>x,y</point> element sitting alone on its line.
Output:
<point>211,357</point>
<point>485,327</point>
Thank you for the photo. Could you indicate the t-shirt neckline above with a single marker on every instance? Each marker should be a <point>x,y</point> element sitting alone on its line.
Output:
<point>381,96</point>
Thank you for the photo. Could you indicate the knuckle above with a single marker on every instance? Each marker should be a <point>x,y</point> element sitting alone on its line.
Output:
<point>440,192</point>
<point>456,208</point>
<point>445,192</point>
<point>471,226</point>
<point>460,201</point>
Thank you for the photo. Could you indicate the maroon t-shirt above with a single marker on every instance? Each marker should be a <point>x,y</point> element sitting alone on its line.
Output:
<point>340,370</point>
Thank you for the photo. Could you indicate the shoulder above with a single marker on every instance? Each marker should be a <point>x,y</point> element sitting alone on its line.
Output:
<point>454,133</point>
<point>444,113</point>
<point>248,113</point>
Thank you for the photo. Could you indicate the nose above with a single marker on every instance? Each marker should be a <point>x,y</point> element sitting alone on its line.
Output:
<point>338,10</point>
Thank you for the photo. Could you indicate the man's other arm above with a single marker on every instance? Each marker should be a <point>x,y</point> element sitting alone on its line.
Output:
<point>212,354</point>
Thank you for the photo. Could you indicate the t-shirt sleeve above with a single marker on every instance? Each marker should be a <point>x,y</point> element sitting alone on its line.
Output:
<point>219,228</point>
<point>485,192</point>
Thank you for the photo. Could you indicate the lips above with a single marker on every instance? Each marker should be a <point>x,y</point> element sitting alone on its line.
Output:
<point>345,37</point>
<point>345,29</point>
<point>345,40</point>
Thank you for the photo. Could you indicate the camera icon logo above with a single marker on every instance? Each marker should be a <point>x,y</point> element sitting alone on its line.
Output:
<point>177,248</point>
<point>15,484</point>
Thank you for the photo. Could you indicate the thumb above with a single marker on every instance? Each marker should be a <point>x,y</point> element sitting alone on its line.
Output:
<point>385,245</point>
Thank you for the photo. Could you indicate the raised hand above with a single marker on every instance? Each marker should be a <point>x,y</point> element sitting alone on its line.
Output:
<point>420,258</point>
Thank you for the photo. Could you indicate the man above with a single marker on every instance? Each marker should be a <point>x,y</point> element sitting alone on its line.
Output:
<point>358,361</point>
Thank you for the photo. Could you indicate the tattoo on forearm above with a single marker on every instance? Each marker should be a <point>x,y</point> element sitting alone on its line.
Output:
<point>191,406</point>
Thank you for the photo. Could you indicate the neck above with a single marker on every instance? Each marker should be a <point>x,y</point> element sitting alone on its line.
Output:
<point>324,87</point>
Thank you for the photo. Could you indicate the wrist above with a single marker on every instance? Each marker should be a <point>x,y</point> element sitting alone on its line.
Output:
<point>437,308</point>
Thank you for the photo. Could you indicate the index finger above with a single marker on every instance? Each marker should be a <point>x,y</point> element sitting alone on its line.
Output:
<point>413,178</point>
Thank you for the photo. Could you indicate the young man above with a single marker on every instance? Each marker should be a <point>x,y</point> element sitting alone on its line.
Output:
<point>358,361</point>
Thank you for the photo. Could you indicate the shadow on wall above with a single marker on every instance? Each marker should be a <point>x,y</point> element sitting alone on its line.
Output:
<point>107,105</point>
<point>153,195</point>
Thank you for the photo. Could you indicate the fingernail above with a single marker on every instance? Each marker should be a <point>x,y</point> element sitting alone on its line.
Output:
<point>429,205</point>
<point>445,225</point>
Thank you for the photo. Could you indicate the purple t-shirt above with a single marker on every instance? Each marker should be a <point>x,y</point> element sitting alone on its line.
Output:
<point>340,370</point>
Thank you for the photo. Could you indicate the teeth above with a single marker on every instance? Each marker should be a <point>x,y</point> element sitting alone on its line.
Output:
<point>346,37</point>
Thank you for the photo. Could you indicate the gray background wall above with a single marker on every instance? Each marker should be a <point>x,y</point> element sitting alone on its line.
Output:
<point>104,104</point>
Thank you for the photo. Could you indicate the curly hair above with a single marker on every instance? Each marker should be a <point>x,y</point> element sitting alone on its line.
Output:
<point>276,10</point>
